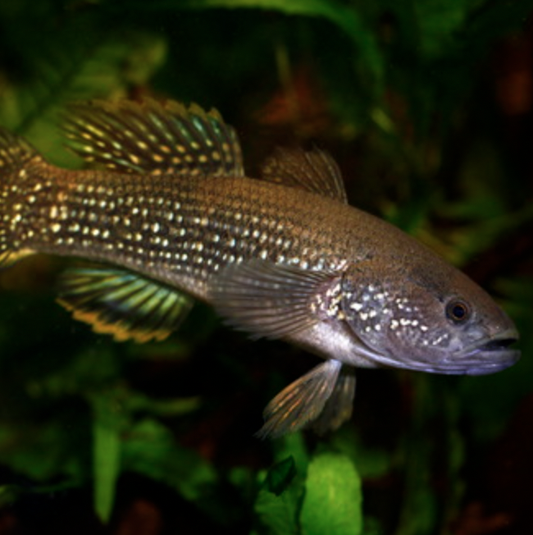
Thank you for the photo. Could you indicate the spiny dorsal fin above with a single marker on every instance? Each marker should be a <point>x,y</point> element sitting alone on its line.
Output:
<point>122,303</point>
<point>314,171</point>
<point>15,152</point>
<point>152,137</point>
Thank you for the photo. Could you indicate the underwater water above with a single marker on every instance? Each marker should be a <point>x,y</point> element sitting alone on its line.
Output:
<point>427,108</point>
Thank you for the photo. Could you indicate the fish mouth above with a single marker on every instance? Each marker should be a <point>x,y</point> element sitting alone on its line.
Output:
<point>483,356</point>
<point>480,358</point>
<point>493,355</point>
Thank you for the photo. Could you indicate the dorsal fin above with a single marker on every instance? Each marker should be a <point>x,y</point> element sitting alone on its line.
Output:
<point>15,155</point>
<point>154,137</point>
<point>314,171</point>
<point>15,152</point>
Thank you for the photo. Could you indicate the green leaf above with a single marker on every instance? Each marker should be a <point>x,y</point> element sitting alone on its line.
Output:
<point>22,446</point>
<point>292,445</point>
<point>278,502</point>
<point>438,22</point>
<point>280,476</point>
<point>344,17</point>
<point>107,427</point>
<point>150,449</point>
<point>333,497</point>
<point>98,62</point>
<point>372,461</point>
<point>106,457</point>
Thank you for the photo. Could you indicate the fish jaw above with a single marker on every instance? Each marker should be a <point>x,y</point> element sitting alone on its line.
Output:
<point>488,355</point>
<point>493,355</point>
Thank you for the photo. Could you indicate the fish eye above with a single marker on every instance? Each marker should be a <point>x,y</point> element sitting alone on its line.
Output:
<point>457,311</point>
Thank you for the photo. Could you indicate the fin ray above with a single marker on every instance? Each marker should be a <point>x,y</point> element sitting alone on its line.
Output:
<point>339,407</point>
<point>152,137</point>
<point>315,171</point>
<point>301,402</point>
<point>15,154</point>
<point>122,303</point>
<point>266,299</point>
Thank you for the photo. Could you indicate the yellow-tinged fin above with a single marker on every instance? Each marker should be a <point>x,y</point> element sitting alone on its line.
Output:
<point>154,137</point>
<point>123,304</point>
<point>314,171</point>
<point>302,402</point>
<point>15,184</point>
<point>9,257</point>
<point>266,299</point>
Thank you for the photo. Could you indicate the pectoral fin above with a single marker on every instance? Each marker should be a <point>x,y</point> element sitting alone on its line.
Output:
<point>122,303</point>
<point>266,299</point>
<point>301,402</point>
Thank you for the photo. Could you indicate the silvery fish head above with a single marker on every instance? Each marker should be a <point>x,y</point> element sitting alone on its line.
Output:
<point>431,319</point>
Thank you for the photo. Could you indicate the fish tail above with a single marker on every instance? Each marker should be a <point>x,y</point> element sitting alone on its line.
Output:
<point>16,155</point>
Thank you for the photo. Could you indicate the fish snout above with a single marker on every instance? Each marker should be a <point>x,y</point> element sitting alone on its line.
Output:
<point>494,353</point>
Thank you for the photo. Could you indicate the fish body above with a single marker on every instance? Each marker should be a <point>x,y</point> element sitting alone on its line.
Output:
<point>172,216</point>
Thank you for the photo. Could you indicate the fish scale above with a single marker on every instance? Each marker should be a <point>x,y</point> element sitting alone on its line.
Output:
<point>166,214</point>
<point>170,232</point>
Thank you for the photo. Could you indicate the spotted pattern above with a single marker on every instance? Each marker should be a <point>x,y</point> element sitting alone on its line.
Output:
<point>377,310</point>
<point>153,137</point>
<point>179,231</point>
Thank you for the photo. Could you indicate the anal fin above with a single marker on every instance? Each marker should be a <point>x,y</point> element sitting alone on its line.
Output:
<point>9,257</point>
<point>122,303</point>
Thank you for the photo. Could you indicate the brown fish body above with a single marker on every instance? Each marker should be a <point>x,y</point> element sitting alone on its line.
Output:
<point>283,257</point>
<point>183,232</point>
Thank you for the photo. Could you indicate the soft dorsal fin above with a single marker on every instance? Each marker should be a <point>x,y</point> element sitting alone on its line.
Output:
<point>122,303</point>
<point>314,171</point>
<point>154,137</point>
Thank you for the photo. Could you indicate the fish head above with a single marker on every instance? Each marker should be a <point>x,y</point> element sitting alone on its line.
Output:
<point>432,319</point>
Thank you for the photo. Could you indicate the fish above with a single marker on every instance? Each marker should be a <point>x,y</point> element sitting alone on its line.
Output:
<point>164,214</point>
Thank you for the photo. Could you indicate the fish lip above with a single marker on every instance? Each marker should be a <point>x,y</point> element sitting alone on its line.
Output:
<point>489,355</point>
<point>484,363</point>
<point>506,359</point>
<point>496,343</point>
<point>483,357</point>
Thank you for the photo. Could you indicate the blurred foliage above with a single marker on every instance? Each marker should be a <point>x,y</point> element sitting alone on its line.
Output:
<point>428,107</point>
